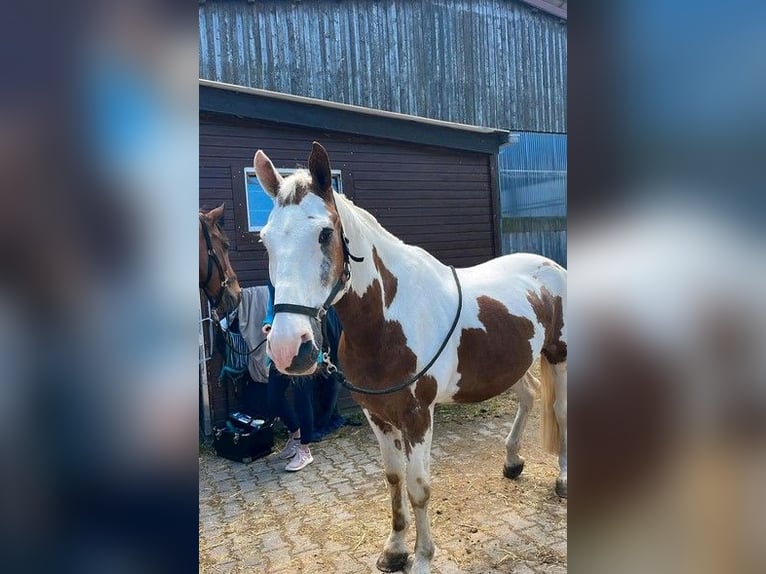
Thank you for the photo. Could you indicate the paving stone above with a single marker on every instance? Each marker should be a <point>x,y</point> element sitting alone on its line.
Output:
<point>257,518</point>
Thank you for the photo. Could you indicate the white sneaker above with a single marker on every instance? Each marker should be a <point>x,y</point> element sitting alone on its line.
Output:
<point>301,459</point>
<point>290,447</point>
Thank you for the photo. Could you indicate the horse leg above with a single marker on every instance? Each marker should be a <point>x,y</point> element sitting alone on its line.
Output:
<point>394,555</point>
<point>560,408</point>
<point>419,491</point>
<point>525,390</point>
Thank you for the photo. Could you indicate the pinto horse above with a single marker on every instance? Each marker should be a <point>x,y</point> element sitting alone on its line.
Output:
<point>216,276</point>
<point>416,332</point>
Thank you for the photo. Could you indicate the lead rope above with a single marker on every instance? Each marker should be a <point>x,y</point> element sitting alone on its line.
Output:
<point>331,368</point>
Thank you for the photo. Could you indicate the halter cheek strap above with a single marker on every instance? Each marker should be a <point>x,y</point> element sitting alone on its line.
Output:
<point>212,259</point>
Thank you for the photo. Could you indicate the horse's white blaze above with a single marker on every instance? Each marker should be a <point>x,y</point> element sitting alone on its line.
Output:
<point>295,258</point>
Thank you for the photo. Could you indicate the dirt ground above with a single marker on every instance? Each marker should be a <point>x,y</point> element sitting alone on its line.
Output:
<point>334,516</point>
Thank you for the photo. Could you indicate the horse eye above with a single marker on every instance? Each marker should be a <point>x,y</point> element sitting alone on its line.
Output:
<point>325,235</point>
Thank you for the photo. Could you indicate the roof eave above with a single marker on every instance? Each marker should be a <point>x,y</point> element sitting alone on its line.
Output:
<point>215,97</point>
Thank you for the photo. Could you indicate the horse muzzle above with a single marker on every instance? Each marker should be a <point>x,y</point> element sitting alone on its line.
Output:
<point>231,296</point>
<point>302,362</point>
<point>295,354</point>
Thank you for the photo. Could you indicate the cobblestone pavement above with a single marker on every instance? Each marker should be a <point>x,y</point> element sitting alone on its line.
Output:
<point>333,516</point>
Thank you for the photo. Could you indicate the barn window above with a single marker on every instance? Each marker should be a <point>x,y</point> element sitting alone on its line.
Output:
<point>259,204</point>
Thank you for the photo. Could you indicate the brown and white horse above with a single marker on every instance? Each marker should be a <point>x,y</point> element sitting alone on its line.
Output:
<point>216,276</point>
<point>397,304</point>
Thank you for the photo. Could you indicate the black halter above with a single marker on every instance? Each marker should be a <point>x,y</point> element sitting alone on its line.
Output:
<point>212,258</point>
<point>319,314</point>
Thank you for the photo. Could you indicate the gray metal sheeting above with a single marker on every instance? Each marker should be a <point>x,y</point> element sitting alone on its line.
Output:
<point>493,63</point>
<point>533,176</point>
<point>533,195</point>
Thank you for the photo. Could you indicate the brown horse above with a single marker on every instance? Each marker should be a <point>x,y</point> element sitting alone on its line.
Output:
<point>216,277</point>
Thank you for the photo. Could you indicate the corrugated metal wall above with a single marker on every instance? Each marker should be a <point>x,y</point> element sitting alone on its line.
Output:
<point>495,63</point>
<point>533,195</point>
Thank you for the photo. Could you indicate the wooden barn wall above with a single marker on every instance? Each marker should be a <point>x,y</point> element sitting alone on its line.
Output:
<point>494,63</point>
<point>436,198</point>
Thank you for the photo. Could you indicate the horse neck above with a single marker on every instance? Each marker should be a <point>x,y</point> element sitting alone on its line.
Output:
<point>393,274</point>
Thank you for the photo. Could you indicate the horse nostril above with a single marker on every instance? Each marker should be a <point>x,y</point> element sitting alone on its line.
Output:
<point>306,337</point>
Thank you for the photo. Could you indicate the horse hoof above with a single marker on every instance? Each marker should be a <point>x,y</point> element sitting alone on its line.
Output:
<point>513,471</point>
<point>391,562</point>
<point>561,487</point>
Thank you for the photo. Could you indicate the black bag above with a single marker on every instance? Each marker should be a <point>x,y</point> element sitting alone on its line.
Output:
<point>243,438</point>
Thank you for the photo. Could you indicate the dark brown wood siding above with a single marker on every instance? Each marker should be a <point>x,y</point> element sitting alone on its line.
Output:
<point>436,198</point>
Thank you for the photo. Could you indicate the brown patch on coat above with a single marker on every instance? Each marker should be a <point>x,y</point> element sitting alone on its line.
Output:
<point>423,502</point>
<point>549,312</point>
<point>381,424</point>
<point>493,359</point>
<point>390,282</point>
<point>332,263</point>
<point>375,355</point>
<point>398,518</point>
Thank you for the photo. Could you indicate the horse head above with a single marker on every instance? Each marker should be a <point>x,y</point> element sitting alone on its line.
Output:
<point>216,276</point>
<point>307,262</point>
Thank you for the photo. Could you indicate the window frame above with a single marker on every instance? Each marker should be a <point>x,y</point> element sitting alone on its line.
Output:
<point>249,172</point>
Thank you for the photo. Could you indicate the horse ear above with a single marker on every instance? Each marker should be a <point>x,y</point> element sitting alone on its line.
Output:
<point>266,173</point>
<point>216,214</point>
<point>319,167</point>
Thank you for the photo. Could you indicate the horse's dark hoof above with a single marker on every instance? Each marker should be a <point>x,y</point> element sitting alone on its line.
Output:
<point>513,471</point>
<point>561,487</point>
<point>391,562</point>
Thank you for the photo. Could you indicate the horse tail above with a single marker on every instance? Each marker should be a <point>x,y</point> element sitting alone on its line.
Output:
<point>551,430</point>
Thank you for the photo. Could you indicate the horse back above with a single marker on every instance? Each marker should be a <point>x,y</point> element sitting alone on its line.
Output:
<point>513,310</point>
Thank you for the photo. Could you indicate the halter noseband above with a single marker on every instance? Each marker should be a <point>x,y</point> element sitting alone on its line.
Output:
<point>212,258</point>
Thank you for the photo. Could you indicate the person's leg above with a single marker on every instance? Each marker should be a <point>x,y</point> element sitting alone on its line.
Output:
<point>280,407</point>
<point>324,403</point>
<point>303,393</point>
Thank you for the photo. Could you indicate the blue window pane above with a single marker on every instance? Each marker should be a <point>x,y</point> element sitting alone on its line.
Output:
<point>258,204</point>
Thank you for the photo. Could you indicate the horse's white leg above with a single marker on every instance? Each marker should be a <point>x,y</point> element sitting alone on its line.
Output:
<point>394,555</point>
<point>560,408</point>
<point>419,491</point>
<point>525,390</point>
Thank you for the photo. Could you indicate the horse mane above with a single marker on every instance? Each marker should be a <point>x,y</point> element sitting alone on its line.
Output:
<point>300,179</point>
<point>364,217</point>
